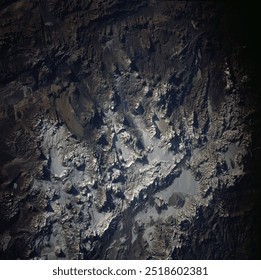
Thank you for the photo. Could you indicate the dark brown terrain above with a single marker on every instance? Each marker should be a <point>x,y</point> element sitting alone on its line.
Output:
<point>129,130</point>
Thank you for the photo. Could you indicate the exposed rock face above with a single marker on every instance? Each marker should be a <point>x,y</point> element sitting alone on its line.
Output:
<point>125,132</point>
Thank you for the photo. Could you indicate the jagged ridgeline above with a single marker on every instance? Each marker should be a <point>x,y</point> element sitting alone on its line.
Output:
<point>127,131</point>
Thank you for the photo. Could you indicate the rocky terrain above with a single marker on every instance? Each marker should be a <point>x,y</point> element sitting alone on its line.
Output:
<point>127,132</point>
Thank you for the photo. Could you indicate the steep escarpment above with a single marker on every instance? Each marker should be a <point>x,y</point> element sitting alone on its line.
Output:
<point>127,132</point>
